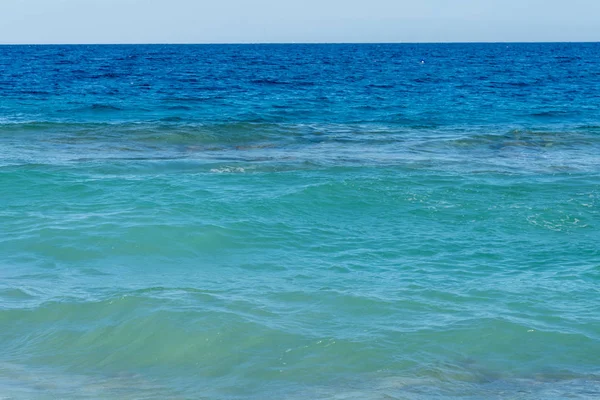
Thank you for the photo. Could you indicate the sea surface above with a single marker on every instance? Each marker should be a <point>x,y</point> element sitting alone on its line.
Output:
<point>300,222</point>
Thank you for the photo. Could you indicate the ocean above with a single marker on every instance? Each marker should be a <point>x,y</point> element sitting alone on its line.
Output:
<point>385,221</point>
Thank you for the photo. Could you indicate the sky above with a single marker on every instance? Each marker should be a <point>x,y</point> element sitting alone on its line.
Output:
<point>297,21</point>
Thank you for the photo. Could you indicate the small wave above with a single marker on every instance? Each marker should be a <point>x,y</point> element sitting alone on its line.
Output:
<point>381,86</point>
<point>105,107</point>
<point>558,223</point>
<point>96,108</point>
<point>228,170</point>
<point>15,294</point>
<point>188,80</point>
<point>509,84</point>
<point>211,88</point>
<point>53,125</point>
<point>187,100</point>
<point>268,81</point>
<point>552,114</point>
<point>172,119</point>
<point>110,75</point>
<point>36,92</point>
<point>304,83</point>
<point>590,127</point>
<point>427,80</point>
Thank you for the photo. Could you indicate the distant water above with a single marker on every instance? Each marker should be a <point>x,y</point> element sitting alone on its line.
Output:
<point>300,222</point>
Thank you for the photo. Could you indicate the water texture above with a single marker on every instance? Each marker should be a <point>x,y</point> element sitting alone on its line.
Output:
<point>300,222</point>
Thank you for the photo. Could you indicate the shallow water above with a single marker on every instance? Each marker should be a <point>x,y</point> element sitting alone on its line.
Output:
<point>300,221</point>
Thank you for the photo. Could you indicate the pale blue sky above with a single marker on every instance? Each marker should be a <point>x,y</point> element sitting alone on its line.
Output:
<point>250,21</point>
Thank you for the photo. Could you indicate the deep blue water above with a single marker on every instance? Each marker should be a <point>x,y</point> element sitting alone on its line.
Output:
<point>300,221</point>
<point>458,85</point>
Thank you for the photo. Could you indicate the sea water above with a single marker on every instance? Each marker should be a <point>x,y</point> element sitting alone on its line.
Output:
<point>300,222</point>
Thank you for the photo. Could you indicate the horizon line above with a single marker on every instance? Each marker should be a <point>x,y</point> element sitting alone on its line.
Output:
<point>289,43</point>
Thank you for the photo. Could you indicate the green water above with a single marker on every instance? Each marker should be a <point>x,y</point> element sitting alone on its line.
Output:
<point>153,279</point>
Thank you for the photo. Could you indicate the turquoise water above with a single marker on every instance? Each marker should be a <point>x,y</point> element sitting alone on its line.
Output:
<point>220,247</point>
